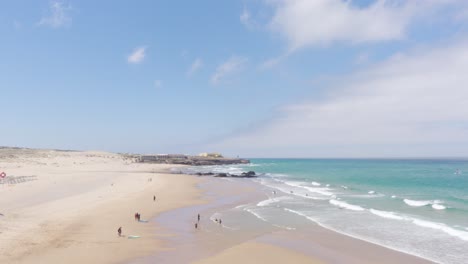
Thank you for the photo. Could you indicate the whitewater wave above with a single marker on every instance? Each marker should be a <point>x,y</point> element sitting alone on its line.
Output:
<point>346,205</point>
<point>322,191</point>
<point>285,227</point>
<point>385,214</point>
<point>255,214</point>
<point>438,206</point>
<point>435,204</point>
<point>273,200</point>
<point>442,227</point>
<point>417,203</point>
<point>318,190</point>
<point>316,183</point>
<point>301,214</point>
<point>463,235</point>
<point>241,206</point>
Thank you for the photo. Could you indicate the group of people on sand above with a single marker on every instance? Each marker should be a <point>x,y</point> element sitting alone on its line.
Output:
<point>219,221</point>
<point>138,218</point>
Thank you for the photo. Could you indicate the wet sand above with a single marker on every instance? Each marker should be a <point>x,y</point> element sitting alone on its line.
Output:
<point>246,238</point>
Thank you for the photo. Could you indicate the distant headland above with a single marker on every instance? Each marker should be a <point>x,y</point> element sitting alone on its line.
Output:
<point>202,159</point>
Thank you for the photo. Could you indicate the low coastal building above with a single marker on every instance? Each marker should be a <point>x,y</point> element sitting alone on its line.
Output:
<point>161,157</point>
<point>210,155</point>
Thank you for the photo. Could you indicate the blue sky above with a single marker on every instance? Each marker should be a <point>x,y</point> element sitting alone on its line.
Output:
<point>256,78</point>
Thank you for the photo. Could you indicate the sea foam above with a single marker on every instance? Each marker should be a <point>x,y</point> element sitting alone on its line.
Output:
<point>273,200</point>
<point>346,205</point>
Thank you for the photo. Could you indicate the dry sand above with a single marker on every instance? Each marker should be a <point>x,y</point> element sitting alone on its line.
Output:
<point>70,205</point>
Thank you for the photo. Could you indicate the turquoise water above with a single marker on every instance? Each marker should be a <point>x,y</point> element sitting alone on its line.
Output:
<point>414,206</point>
<point>441,182</point>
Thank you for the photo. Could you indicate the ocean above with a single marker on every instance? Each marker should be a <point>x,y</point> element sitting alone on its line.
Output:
<point>417,206</point>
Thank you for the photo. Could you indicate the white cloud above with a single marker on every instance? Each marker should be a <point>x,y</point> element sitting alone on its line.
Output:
<point>196,65</point>
<point>232,65</point>
<point>158,83</point>
<point>321,22</point>
<point>412,105</point>
<point>58,15</point>
<point>137,55</point>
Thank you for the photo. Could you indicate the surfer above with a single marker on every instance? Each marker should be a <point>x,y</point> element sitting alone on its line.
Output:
<point>119,231</point>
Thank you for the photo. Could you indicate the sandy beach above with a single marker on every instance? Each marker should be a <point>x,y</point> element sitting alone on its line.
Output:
<point>61,206</point>
<point>71,204</point>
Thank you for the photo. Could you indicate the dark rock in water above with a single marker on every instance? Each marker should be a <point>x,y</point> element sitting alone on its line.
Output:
<point>248,174</point>
<point>204,174</point>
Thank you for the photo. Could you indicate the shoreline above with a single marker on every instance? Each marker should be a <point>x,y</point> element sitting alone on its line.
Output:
<point>223,194</point>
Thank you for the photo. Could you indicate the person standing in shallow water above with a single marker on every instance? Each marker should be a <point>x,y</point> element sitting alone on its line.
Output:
<point>198,217</point>
<point>196,225</point>
<point>119,231</point>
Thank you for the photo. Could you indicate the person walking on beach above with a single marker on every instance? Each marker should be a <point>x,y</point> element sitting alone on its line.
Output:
<point>136,216</point>
<point>119,231</point>
<point>198,217</point>
<point>154,198</point>
<point>196,225</point>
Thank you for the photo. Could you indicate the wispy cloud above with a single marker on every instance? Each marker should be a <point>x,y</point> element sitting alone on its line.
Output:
<point>158,83</point>
<point>390,109</point>
<point>230,66</point>
<point>58,15</point>
<point>196,65</point>
<point>137,56</point>
<point>17,24</point>
<point>362,58</point>
<point>246,19</point>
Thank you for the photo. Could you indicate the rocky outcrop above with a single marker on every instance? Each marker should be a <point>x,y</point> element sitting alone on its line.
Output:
<point>197,161</point>
<point>250,174</point>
